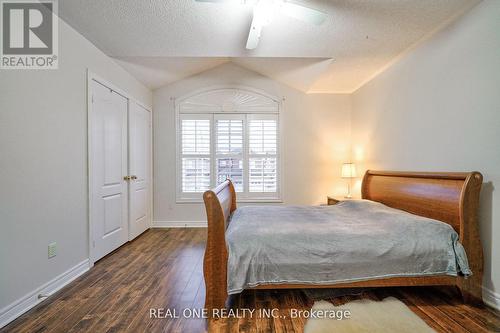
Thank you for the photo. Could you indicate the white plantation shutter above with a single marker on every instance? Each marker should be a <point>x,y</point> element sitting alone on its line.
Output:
<point>195,151</point>
<point>230,168</point>
<point>195,174</point>
<point>262,156</point>
<point>229,136</point>
<point>229,149</point>
<point>262,136</point>
<point>263,175</point>
<point>195,136</point>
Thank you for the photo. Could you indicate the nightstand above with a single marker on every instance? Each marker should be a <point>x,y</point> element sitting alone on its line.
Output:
<point>333,200</point>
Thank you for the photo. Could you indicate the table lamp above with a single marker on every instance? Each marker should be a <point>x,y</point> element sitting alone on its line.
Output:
<point>348,171</point>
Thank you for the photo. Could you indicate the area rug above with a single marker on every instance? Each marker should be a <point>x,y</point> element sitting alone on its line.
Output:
<point>389,315</point>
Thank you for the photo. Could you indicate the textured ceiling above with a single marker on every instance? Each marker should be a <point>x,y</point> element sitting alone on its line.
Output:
<point>156,72</point>
<point>362,36</point>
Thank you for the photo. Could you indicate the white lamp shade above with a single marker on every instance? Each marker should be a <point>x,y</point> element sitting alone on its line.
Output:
<point>348,170</point>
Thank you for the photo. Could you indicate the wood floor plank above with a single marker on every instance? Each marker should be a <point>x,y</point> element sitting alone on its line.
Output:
<point>480,314</point>
<point>431,308</point>
<point>393,292</point>
<point>163,268</point>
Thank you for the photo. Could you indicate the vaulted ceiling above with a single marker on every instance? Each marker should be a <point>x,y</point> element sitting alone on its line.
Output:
<point>161,41</point>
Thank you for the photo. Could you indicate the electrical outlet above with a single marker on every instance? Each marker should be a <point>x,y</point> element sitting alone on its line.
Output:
<point>52,249</point>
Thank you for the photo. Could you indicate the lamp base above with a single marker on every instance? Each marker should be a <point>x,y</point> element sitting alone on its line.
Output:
<point>348,196</point>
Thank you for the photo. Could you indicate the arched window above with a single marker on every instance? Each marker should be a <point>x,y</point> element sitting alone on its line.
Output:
<point>229,133</point>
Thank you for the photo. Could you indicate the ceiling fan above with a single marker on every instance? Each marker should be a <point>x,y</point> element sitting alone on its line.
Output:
<point>264,12</point>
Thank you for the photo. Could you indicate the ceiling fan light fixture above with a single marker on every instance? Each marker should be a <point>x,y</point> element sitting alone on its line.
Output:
<point>264,12</point>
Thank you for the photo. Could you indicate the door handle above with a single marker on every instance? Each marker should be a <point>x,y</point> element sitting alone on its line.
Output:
<point>127,178</point>
<point>133,177</point>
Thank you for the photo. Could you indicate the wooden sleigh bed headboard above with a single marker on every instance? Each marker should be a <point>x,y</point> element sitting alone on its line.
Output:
<point>447,197</point>
<point>452,198</point>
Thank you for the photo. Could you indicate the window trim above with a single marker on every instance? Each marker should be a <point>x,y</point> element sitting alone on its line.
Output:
<point>274,197</point>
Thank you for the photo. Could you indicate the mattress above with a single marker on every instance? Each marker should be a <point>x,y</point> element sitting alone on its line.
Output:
<point>354,240</point>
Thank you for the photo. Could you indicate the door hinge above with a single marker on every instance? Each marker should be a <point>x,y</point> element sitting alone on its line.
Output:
<point>93,243</point>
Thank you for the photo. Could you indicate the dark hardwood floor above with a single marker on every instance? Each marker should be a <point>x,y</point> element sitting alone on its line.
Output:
<point>163,269</point>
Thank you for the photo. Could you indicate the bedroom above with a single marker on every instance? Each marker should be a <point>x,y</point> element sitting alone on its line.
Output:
<point>110,138</point>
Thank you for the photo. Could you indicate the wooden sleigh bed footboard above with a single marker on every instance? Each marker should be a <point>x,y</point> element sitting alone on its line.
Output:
<point>452,198</point>
<point>220,203</point>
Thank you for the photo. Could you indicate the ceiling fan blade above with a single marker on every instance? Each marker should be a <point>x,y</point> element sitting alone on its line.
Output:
<point>302,13</point>
<point>254,34</point>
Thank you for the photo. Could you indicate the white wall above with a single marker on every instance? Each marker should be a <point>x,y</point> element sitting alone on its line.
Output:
<point>316,140</point>
<point>438,109</point>
<point>43,163</point>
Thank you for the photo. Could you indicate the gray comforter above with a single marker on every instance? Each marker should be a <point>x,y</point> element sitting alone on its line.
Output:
<point>351,241</point>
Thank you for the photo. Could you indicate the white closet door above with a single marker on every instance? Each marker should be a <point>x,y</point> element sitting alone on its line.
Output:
<point>140,167</point>
<point>108,163</point>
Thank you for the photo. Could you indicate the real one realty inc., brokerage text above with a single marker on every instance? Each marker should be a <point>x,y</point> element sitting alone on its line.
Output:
<point>194,313</point>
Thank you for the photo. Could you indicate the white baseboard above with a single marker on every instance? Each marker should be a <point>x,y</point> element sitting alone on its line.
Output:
<point>491,298</point>
<point>179,224</point>
<point>17,308</point>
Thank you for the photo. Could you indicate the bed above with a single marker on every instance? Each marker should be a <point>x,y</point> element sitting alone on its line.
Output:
<point>410,229</point>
